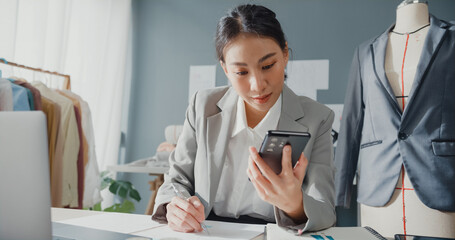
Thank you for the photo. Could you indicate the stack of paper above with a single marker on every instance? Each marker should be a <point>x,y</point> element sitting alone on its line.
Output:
<point>215,230</point>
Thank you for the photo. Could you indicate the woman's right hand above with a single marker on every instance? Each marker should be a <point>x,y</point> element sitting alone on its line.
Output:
<point>185,215</point>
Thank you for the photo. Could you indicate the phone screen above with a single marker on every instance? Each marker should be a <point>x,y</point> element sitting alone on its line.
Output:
<point>272,147</point>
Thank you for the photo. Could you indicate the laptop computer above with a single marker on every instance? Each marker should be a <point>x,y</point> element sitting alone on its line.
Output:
<point>25,200</point>
<point>24,176</point>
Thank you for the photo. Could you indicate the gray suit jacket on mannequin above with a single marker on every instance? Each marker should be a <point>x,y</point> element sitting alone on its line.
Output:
<point>377,138</point>
<point>198,160</point>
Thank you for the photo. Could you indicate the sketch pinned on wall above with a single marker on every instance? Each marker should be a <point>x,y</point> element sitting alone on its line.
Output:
<point>201,77</point>
<point>306,77</point>
<point>338,110</point>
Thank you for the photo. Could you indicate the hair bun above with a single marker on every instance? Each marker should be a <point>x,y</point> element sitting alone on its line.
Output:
<point>248,18</point>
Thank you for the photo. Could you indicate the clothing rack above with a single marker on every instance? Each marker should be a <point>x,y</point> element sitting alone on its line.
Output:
<point>66,85</point>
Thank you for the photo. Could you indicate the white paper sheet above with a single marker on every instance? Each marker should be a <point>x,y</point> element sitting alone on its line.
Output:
<point>201,77</point>
<point>217,231</point>
<point>115,222</point>
<point>305,77</point>
<point>338,110</point>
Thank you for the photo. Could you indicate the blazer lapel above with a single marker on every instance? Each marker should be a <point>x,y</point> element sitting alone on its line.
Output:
<point>219,127</point>
<point>291,111</point>
<point>433,40</point>
<point>378,49</point>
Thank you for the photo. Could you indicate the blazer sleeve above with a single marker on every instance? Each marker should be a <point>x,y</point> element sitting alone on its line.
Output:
<point>318,187</point>
<point>181,162</point>
<point>347,150</point>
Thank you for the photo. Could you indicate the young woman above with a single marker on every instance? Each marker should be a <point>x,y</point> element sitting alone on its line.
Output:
<point>216,154</point>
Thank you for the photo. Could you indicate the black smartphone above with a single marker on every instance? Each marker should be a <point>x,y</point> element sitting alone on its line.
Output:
<point>272,147</point>
<point>414,237</point>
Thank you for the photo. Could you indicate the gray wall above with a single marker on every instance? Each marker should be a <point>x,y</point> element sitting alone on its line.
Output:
<point>171,35</point>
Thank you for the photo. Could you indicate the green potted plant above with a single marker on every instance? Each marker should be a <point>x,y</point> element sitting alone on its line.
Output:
<point>124,190</point>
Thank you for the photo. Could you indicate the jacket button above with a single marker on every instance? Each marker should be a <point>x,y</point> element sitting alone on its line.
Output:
<point>402,136</point>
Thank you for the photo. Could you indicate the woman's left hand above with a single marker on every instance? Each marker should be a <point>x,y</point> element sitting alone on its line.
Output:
<point>284,190</point>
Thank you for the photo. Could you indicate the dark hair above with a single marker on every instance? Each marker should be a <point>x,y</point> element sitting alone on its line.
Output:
<point>248,18</point>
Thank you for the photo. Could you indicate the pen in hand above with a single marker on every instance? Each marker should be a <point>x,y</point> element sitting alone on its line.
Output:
<point>185,196</point>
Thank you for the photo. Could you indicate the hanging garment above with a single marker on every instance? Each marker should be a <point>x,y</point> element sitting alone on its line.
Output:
<point>77,104</point>
<point>53,115</point>
<point>31,101</point>
<point>20,97</point>
<point>376,138</point>
<point>92,183</point>
<point>80,160</point>
<point>70,135</point>
<point>6,95</point>
<point>36,96</point>
<point>379,141</point>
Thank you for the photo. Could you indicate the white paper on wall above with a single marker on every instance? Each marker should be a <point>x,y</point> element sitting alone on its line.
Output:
<point>305,77</point>
<point>201,77</point>
<point>338,110</point>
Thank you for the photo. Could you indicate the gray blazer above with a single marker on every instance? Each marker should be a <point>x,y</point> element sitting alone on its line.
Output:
<point>198,160</point>
<point>376,138</point>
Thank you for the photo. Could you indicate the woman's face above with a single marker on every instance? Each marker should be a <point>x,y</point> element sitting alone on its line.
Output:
<point>255,66</point>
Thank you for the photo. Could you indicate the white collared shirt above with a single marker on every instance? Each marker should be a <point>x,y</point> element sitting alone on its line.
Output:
<point>236,195</point>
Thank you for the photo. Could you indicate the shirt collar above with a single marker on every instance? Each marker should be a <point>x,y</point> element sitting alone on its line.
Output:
<point>269,122</point>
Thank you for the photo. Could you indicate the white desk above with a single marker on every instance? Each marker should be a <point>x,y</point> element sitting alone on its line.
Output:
<point>62,214</point>
<point>143,226</point>
<point>80,222</point>
<point>154,185</point>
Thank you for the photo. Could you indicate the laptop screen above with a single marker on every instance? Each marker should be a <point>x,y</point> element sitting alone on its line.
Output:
<point>24,176</point>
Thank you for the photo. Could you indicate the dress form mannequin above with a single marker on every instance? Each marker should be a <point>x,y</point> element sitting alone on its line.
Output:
<point>410,17</point>
<point>405,213</point>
